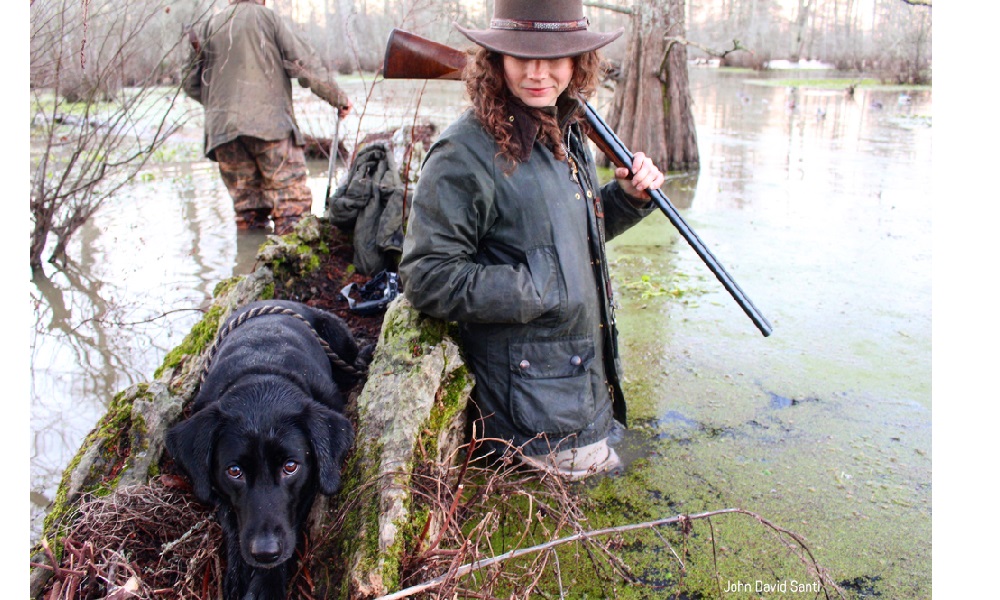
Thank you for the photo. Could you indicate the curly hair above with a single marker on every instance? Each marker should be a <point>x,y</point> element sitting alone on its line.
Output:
<point>487,88</point>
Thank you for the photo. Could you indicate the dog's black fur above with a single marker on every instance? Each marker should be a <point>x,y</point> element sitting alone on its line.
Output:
<point>266,434</point>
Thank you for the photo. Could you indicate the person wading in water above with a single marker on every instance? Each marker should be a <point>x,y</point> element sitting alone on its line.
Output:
<point>507,232</point>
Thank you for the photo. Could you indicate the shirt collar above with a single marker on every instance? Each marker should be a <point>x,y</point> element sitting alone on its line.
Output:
<point>526,125</point>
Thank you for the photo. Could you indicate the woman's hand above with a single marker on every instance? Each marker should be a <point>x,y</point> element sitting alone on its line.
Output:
<point>344,110</point>
<point>645,177</point>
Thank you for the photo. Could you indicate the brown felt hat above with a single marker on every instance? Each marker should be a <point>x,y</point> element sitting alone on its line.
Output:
<point>539,29</point>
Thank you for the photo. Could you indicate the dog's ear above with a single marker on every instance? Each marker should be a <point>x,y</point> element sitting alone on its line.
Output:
<point>191,444</point>
<point>332,435</point>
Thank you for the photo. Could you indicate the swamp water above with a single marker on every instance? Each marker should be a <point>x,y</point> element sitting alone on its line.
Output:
<point>820,212</point>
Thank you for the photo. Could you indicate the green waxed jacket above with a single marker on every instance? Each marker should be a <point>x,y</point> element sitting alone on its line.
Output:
<point>243,72</point>
<point>518,261</point>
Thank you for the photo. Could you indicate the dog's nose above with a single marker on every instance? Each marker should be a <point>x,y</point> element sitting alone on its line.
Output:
<point>265,549</point>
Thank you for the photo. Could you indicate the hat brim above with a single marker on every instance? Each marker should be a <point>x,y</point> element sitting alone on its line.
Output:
<point>534,44</point>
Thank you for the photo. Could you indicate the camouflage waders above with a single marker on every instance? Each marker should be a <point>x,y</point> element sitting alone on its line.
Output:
<point>265,179</point>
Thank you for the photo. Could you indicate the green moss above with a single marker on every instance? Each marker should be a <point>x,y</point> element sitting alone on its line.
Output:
<point>268,292</point>
<point>433,332</point>
<point>199,338</point>
<point>118,427</point>
<point>299,258</point>
<point>447,407</point>
<point>357,534</point>
<point>224,286</point>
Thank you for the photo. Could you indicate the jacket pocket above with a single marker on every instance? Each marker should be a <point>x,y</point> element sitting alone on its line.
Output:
<point>550,389</point>
<point>543,264</point>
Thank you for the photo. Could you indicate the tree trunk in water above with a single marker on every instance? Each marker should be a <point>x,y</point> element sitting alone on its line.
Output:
<point>651,110</point>
<point>801,19</point>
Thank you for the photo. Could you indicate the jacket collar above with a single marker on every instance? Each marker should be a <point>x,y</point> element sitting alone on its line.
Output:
<point>526,124</point>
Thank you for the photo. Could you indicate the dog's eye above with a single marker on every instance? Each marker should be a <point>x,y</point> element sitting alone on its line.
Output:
<point>290,467</point>
<point>234,472</point>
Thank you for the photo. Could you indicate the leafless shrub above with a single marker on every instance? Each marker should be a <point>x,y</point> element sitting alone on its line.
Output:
<point>98,114</point>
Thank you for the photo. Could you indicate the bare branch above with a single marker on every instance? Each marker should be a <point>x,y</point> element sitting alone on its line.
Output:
<point>625,10</point>
<point>671,40</point>
<point>737,47</point>
<point>98,120</point>
<point>684,520</point>
<point>926,3</point>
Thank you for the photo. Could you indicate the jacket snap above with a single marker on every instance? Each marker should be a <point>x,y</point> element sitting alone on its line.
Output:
<point>524,364</point>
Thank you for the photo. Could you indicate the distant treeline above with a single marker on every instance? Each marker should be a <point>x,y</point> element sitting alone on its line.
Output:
<point>76,40</point>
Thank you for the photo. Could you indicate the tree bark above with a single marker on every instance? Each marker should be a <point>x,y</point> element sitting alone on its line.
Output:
<point>651,110</point>
<point>801,19</point>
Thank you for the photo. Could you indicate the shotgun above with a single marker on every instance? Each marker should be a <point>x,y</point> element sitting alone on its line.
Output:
<point>409,56</point>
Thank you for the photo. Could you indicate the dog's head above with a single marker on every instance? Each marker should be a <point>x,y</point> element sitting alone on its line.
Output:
<point>263,453</point>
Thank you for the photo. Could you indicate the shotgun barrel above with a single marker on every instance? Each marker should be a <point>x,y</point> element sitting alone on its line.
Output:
<point>621,156</point>
<point>409,56</point>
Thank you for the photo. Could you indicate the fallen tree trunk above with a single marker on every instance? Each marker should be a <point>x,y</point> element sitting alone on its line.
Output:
<point>411,409</point>
<point>412,404</point>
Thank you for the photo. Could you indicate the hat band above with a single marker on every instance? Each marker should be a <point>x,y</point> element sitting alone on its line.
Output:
<point>515,25</point>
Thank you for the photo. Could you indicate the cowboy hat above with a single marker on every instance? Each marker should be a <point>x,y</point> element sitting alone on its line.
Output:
<point>539,29</point>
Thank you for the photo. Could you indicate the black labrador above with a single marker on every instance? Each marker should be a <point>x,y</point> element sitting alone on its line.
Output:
<point>267,433</point>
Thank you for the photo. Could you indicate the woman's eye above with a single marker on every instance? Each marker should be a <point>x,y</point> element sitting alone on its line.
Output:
<point>234,472</point>
<point>290,467</point>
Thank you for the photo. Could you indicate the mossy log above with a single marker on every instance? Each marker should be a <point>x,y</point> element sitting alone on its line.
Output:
<point>411,406</point>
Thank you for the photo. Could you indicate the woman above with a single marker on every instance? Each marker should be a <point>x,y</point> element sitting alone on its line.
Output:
<point>506,236</point>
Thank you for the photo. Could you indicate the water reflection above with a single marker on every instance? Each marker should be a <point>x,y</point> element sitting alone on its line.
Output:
<point>821,210</point>
<point>138,275</point>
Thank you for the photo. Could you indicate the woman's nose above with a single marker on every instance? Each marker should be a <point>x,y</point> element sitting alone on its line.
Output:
<point>536,69</point>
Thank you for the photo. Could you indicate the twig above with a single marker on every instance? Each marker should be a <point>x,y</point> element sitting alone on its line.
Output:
<point>737,46</point>
<point>715,558</point>
<point>467,568</point>
<point>142,322</point>
<point>625,10</point>
<point>583,535</point>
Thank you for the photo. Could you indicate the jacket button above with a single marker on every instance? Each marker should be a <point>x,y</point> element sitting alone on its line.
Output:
<point>524,364</point>
<point>576,361</point>
<point>590,194</point>
<point>578,196</point>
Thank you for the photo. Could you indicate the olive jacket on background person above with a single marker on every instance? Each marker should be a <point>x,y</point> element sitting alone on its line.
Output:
<point>242,75</point>
<point>519,262</point>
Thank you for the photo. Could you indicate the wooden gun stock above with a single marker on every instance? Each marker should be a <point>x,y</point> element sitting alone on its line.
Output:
<point>409,56</point>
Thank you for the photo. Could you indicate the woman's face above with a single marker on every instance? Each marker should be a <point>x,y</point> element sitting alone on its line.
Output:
<point>537,82</point>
